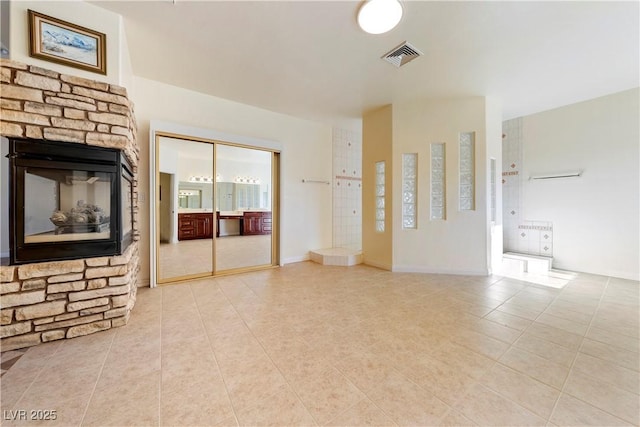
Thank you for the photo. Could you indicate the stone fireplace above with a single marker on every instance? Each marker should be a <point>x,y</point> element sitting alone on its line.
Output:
<point>79,295</point>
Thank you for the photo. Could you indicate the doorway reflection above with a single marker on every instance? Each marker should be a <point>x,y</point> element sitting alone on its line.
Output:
<point>185,209</point>
<point>243,207</point>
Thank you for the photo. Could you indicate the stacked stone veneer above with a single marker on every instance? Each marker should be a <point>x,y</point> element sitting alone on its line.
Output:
<point>65,299</point>
<point>47,301</point>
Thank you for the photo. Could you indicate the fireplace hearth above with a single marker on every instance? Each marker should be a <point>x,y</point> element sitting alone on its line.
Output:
<point>68,201</point>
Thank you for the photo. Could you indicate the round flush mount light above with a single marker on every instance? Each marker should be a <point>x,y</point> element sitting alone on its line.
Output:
<point>379,16</point>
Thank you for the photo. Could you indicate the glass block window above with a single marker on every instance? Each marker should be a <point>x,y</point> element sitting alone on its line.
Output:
<point>409,190</point>
<point>438,194</point>
<point>467,171</point>
<point>380,197</point>
<point>493,189</point>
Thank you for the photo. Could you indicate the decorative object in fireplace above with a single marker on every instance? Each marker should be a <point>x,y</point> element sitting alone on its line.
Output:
<point>68,201</point>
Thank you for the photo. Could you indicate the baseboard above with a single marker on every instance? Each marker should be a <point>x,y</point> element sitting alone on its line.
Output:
<point>294,259</point>
<point>430,270</point>
<point>626,275</point>
<point>144,283</point>
<point>376,264</point>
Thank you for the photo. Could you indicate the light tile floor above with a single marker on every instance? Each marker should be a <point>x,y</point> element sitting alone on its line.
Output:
<point>308,344</point>
<point>188,257</point>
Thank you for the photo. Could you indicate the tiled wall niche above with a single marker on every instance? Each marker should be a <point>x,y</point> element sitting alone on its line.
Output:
<point>347,189</point>
<point>522,236</point>
<point>535,238</point>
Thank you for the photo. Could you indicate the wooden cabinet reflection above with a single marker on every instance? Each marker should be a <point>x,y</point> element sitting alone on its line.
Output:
<point>200,225</point>
<point>195,226</point>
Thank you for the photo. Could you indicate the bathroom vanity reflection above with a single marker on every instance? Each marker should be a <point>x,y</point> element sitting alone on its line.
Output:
<point>241,209</point>
<point>206,223</point>
<point>199,225</point>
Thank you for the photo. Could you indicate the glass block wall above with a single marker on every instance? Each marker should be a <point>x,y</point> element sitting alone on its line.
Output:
<point>380,176</point>
<point>438,187</point>
<point>467,171</point>
<point>409,190</point>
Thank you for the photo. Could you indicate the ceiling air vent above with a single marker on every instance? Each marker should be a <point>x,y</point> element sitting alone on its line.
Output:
<point>400,55</point>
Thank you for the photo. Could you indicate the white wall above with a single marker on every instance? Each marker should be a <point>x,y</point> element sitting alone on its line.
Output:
<point>125,77</point>
<point>595,217</point>
<point>461,243</point>
<point>80,13</point>
<point>306,153</point>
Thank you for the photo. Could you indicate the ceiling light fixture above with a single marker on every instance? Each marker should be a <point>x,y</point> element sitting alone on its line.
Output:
<point>379,16</point>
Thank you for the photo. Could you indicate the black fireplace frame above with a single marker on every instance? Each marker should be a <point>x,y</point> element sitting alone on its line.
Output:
<point>35,153</point>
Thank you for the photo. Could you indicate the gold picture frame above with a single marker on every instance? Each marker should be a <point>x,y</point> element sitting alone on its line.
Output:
<point>69,44</point>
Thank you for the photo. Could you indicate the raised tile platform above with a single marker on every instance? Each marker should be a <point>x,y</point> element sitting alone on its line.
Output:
<point>533,269</point>
<point>336,256</point>
<point>525,263</point>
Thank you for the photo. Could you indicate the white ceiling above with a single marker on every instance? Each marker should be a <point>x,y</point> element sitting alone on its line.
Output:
<point>309,58</point>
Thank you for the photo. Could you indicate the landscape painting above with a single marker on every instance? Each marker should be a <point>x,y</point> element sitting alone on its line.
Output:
<point>66,43</point>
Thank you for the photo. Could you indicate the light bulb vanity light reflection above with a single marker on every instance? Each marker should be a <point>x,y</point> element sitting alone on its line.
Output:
<point>379,16</point>
<point>202,179</point>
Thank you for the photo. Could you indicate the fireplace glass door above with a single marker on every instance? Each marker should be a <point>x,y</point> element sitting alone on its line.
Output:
<point>66,205</point>
<point>68,201</point>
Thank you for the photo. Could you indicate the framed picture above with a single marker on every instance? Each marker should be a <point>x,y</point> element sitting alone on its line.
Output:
<point>58,41</point>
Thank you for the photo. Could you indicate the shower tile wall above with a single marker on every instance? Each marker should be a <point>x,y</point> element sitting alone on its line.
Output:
<point>535,238</point>
<point>520,235</point>
<point>347,189</point>
<point>511,166</point>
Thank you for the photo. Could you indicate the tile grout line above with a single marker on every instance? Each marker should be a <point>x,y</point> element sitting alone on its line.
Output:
<point>35,376</point>
<point>215,358</point>
<point>95,386</point>
<point>366,396</point>
<point>511,345</point>
<point>577,351</point>
<point>564,383</point>
<point>476,381</point>
<point>449,407</point>
<point>365,392</point>
<point>244,303</point>
<point>265,351</point>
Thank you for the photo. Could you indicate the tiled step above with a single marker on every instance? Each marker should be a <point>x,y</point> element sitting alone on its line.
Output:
<point>336,256</point>
<point>525,263</point>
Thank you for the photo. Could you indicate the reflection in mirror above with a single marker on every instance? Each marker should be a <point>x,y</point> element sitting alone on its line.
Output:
<point>243,207</point>
<point>185,208</point>
<point>189,198</point>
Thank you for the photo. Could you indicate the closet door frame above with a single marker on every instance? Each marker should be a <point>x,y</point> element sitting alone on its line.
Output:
<point>160,129</point>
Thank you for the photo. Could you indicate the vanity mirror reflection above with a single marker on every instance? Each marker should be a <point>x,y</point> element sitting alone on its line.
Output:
<point>189,198</point>
<point>214,208</point>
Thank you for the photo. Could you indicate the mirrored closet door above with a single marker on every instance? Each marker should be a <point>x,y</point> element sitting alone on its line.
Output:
<point>243,207</point>
<point>214,208</point>
<point>185,214</point>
